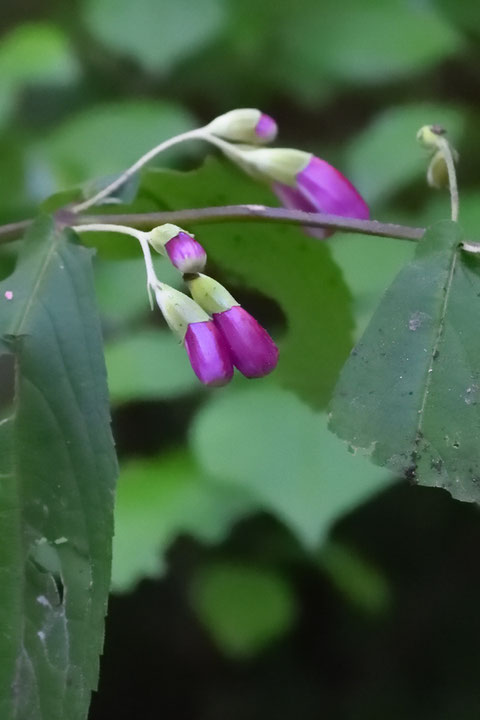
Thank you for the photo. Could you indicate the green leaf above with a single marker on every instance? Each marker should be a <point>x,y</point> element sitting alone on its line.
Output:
<point>158,35</point>
<point>57,472</point>
<point>265,439</point>
<point>33,53</point>
<point>371,41</point>
<point>108,138</point>
<point>159,499</point>
<point>463,14</point>
<point>244,608</point>
<point>280,262</point>
<point>409,392</point>
<point>148,365</point>
<point>356,578</point>
<point>386,156</point>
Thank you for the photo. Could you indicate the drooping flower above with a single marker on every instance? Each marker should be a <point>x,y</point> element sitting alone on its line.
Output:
<point>205,345</point>
<point>183,251</point>
<point>251,348</point>
<point>244,125</point>
<point>302,181</point>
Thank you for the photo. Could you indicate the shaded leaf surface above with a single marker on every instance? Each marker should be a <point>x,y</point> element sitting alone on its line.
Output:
<point>57,466</point>
<point>410,391</point>
<point>159,499</point>
<point>244,608</point>
<point>266,440</point>
<point>279,261</point>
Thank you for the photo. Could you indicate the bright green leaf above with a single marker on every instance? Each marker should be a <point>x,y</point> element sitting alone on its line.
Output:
<point>158,500</point>
<point>57,480</point>
<point>244,608</point>
<point>265,439</point>
<point>280,262</point>
<point>158,35</point>
<point>386,156</point>
<point>410,391</point>
<point>148,365</point>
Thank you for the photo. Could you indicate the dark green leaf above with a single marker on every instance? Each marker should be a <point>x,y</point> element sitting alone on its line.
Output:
<point>244,608</point>
<point>280,262</point>
<point>57,479</point>
<point>410,391</point>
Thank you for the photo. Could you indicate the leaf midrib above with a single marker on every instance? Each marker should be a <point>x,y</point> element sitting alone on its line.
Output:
<point>436,344</point>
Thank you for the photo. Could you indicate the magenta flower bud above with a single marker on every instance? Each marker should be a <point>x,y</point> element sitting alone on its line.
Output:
<point>251,348</point>
<point>185,253</point>
<point>321,188</point>
<point>266,129</point>
<point>208,354</point>
<point>181,248</point>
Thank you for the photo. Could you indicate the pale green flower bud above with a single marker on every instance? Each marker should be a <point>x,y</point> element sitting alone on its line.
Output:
<point>209,294</point>
<point>245,125</point>
<point>178,309</point>
<point>271,164</point>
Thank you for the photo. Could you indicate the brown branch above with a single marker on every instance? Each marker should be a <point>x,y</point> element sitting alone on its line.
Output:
<point>229,213</point>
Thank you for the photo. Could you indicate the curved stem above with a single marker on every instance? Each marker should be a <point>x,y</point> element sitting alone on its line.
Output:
<point>444,146</point>
<point>118,182</point>
<point>152,280</point>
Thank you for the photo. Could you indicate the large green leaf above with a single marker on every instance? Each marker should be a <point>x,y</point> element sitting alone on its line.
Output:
<point>57,477</point>
<point>107,138</point>
<point>280,262</point>
<point>410,391</point>
<point>158,35</point>
<point>266,440</point>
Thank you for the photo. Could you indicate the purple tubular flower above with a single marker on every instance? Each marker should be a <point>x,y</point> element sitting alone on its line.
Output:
<point>266,128</point>
<point>185,253</point>
<point>322,188</point>
<point>251,348</point>
<point>208,354</point>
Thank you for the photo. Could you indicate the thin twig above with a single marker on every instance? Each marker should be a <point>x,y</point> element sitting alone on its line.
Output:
<point>259,213</point>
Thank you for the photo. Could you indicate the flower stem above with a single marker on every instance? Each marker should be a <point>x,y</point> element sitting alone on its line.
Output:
<point>121,179</point>
<point>446,149</point>
<point>152,280</point>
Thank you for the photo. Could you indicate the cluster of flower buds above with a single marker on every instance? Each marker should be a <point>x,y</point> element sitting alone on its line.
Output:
<point>217,332</point>
<point>300,180</point>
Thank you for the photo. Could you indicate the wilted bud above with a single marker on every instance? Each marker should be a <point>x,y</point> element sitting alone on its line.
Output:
<point>183,251</point>
<point>428,136</point>
<point>437,172</point>
<point>251,348</point>
<point>244,125</point>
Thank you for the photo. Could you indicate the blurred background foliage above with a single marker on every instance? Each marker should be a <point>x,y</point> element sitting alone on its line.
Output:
<point>260,568</point>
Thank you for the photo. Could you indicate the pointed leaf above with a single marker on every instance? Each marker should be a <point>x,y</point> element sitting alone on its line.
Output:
<point>57,467</point>
<point>410,391</point>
